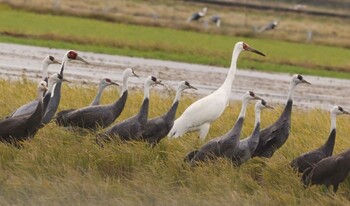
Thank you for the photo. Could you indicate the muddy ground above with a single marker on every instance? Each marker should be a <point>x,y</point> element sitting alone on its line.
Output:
<point>19,60</point>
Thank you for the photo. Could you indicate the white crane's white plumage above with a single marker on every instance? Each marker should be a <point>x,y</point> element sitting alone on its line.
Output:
<point>200,114</point>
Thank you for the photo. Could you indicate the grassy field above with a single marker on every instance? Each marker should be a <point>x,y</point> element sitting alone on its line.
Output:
<point>64,167</point>
<point>163,43</point>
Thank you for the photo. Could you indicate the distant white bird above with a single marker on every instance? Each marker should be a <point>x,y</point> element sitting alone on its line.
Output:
<point>196,16</point>
<point>200,114</point>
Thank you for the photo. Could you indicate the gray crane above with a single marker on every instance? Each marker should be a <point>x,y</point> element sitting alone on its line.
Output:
<point>330,171</point>
<point>274,136</point>
<point>246,147</point>
<point>93,117</point>
<point>56,95</point>
<point>14,129</point>
<point>223,146</point>
<point>158,127</point>
<point>132,128</point>
<point>103,84</point>
<point>30,107</point>
<point>96,101</point>
<point>305,162</point>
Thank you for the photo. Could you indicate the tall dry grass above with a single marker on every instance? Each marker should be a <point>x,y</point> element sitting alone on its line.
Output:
<point>65,167</point>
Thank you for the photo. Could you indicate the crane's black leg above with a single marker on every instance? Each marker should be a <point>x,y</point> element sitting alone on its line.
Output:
<point>335,187</point>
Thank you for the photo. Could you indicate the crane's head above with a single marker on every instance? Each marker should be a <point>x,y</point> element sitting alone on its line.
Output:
<point>337,110</point>
<point>128,72</point>
<point>297,79</point>
<point>42,87</point>
<point>56,78</point>
<point>107,82</point>
<point>185,85</point>
<point>245,47</point>
<point>152,80</point>
<point>73,55</point>
<point>51,60</point>
<point>249,95</point>
<point>262,104</point>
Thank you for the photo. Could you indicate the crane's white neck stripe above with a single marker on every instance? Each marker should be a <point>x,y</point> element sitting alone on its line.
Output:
<point>53,90</point>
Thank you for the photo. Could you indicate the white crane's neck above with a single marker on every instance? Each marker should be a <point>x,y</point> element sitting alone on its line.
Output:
<point>227,85</point>
<point>63,64</point>
<point>45,73</point>
<point>291,90</point>
<point>125,84</point>
<point>244,108</point>
<point>257,116</point>
<point>178,95</point>
<point>333,121</point>
<point>146,90</point>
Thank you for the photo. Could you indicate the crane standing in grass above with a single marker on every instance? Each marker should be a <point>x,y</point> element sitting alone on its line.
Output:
<point>199,115</point>
<point>14,129</point>
<point>158,127</point>
<point>133,127</point>
<point>56,95</point>
<point>224,145</point>
<point>305,162</point>
<point>93,117</point>
<point>274,136</point>
<point>29,108</point>
<point>330,171</point>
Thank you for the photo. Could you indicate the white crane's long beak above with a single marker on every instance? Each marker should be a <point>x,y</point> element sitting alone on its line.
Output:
<point>346,112</point>
<point>56,62</point>
<point>159,82</point>
<point>81,59</point>
<point>269,107</point>
<point>251,49</point>
<point>304,81</point>
<point>134,74</point>
<point>114,83</point>
<point>66,80</point>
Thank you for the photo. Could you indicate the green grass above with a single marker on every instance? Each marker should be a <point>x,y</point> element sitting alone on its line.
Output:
<point>64,167</point>
<point>162,43</point>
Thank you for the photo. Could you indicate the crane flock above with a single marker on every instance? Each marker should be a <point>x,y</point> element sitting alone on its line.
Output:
<point>316,167</point>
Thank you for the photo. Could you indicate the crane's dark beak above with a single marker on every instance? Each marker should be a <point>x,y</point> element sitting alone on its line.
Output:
<point>258,98</point>
<point>66,80</point>
<point>55,62</point>
<point>192,87</point>
<point>159,82</point>
<point>269,107</point>
<point>251,49</point>
<point>304,81</point>
<point>81,59</point>
<point>114,83</point>
<point>135,75</point>
<point>346,112</point>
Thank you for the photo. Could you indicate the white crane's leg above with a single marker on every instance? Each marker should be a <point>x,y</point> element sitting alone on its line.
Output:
<point>203,131</point>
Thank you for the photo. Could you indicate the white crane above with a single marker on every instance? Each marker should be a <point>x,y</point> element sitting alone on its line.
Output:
<point>200,114</point>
